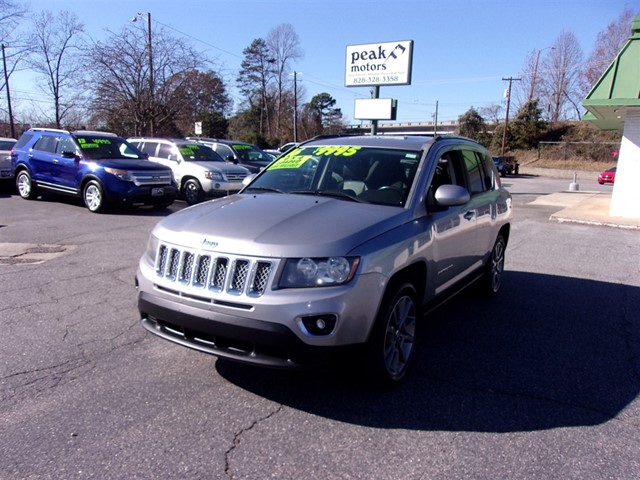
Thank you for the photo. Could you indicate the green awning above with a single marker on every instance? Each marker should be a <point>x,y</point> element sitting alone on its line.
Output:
<point>618,88</point>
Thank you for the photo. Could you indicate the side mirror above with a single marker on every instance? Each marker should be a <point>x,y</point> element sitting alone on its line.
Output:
<point>70,154</point>
<point>451,196</point>
<point>447,196</point>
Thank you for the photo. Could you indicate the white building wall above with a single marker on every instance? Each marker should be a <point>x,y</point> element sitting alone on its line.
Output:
<point>625,199</point>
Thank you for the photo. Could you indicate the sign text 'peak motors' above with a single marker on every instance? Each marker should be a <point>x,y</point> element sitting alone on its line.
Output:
<point>386,63</point>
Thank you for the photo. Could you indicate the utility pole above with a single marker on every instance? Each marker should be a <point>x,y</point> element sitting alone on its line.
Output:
<point>506,117</point>
<point>6,82</point>
<point>152,86</point>
<point>535,72</point>
<point>152,108</point>
<point>435,121</point>
<point>295,106</point>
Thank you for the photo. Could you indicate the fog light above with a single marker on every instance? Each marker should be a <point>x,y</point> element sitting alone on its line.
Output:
<point>319,324</point>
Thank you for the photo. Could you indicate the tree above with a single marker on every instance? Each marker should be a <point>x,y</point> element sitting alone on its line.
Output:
<point>472,125</point>
<point>58,45</point>
<point>283,42</point>
<point>320,116</point>
<point>528,126</point>
<point>204,99</point>
<point>120,81</point>
<point>13,50</point>
<point>492,113</point>
<point>257,70</point>
<point>559,78</point>
<point>607,46</point>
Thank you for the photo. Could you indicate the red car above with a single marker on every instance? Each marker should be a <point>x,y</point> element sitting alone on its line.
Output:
<point>608,176</point>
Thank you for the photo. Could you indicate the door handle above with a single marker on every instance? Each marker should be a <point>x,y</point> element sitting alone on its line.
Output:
<point>470,214</point>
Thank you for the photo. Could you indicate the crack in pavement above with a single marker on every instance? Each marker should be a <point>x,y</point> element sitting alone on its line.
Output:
<point>238,435</point>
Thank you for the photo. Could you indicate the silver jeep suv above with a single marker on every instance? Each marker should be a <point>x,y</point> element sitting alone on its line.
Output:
<point>340,243</point>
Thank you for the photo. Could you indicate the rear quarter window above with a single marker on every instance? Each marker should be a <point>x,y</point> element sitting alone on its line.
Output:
<point>24,139</point>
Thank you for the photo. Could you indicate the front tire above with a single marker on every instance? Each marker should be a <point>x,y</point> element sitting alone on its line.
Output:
<point>192,192</point>
<point>24,185</point>
<point>392,340</point>
<point>494,270</point>
<point>93,196</point>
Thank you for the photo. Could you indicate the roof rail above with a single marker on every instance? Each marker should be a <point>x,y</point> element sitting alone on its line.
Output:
<point>93,132</point>
<point>46,129</point>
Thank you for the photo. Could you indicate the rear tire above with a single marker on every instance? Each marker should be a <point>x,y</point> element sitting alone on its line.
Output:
<point>24,185</point>
<point>391,344</point>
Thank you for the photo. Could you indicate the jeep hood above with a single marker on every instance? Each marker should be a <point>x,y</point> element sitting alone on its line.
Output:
<point>279,225</point>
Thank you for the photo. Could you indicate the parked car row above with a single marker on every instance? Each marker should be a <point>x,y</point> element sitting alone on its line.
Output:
<point>105,170</point>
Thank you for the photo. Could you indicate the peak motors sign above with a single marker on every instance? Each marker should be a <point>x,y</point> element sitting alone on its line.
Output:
<point>386,63</point>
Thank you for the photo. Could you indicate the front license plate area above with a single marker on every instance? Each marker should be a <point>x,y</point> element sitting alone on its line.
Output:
<point>157,192</point>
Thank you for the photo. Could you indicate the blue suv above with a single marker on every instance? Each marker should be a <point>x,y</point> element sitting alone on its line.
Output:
<point>100,167</point>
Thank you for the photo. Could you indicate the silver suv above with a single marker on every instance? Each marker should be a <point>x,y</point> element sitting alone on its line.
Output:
<point>340,243</point>
<point>198,170</point>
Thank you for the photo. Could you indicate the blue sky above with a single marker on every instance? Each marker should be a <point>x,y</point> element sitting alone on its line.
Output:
<point>462,48</point>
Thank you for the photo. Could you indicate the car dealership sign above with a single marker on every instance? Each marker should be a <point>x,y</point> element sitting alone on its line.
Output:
<point>386,63</point>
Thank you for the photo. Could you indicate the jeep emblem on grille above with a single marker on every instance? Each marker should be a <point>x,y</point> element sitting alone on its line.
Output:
<point>209,243</point>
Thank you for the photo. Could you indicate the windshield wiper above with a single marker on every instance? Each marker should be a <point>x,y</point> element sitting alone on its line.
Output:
<point>265,189</point>
<point>330,193</point>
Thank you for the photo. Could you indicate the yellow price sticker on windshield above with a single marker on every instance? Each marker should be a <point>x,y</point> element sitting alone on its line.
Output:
<point>290,161</point>
<point>337,151</point>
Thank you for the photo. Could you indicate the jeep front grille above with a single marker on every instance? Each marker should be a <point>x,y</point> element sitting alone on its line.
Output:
<point>207,271</point>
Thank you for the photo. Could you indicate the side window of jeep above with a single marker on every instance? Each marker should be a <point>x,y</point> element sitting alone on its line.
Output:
<point>480,172</point>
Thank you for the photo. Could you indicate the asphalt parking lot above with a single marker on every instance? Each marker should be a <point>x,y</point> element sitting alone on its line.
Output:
<point>540,383</point>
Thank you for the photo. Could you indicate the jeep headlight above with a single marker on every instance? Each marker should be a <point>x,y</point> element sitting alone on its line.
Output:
<point>213,175</point>
<point>121,174</point>
<point>152,250</point>
<point>318,272</point>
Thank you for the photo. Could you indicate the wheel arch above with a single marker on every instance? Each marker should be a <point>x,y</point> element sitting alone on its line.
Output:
<point>505,231</point>
<point>186,178</point>
<point>414,274</point>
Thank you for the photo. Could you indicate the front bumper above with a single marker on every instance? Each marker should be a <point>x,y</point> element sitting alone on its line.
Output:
<point>221,188</point>
<point>266,331</point>
<point>239,339</point>
<point>141,195</point>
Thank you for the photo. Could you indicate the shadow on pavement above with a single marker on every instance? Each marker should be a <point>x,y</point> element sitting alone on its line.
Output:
<point>548,352</point>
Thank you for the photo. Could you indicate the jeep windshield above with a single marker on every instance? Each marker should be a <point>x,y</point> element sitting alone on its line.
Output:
<point>95,147</point>
<point>376,175</point>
